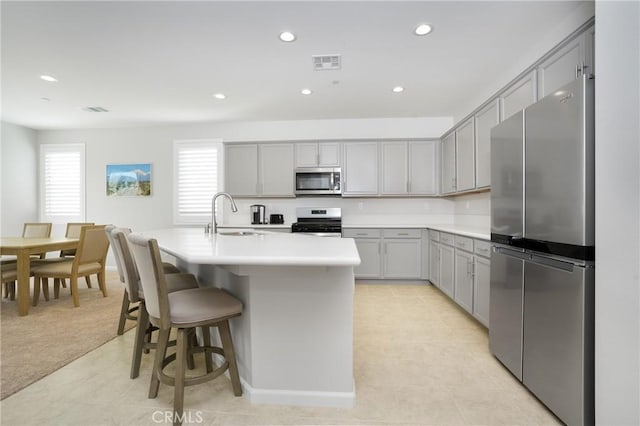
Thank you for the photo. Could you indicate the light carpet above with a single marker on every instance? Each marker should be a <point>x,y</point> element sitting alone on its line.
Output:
<point>55,332</point>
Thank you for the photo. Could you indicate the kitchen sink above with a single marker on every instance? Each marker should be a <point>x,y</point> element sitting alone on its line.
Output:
<point>239,233</point>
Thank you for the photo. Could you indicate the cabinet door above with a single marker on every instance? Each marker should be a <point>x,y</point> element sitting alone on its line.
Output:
<point>434,263</point>
<point>329,154</point>
<point>447,260</point>
<point>394,168</point>
<point>425,254</point>
<point>463,293</point>
<point>465,156</point>
<point>306,155</point>
<point>360,168</point>
<point>276,165</point>
<point>519,95</point>
<point>486,118</point>
<point>481,289</point>
<point>402,258</point>
<point>241,170</point>
<point>369,251</point>
<point>422,167</point>
<point>448,181</point>
<point>562,67</point>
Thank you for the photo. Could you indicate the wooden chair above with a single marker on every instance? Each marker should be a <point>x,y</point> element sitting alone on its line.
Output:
<point>176,281</point>
<point>29,230</point>
<point>73,231</point>
<point>90,259</point>
<point>184,310</point>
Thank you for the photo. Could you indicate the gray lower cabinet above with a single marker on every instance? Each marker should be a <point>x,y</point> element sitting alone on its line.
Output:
<point>463,294</point>
<point>482,269</point>
<point>434,263</point>
<point>387,253</point>
<point>447,269</point>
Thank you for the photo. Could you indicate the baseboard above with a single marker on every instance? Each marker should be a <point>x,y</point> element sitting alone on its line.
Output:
<point>300,398</point>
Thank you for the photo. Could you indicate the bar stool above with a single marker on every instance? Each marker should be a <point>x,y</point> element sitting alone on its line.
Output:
<point>184,310</point>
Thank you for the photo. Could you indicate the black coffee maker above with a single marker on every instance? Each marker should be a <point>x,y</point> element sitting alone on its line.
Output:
<point>258,214</point>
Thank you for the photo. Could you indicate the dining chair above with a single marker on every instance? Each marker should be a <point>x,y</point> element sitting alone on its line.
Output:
<point>175,281</point>
<point>184,310</point>
<point>73,231</point>
<point>90,258</point>
<point>29,230</point>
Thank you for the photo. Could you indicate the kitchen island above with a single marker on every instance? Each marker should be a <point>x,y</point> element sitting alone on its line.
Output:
<point>294,340</point>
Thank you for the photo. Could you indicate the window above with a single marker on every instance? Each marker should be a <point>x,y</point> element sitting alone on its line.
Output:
<point>198,176</point>
<point>62,183</point>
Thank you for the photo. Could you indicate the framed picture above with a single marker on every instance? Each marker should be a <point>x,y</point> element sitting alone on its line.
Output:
<point>128,180</point>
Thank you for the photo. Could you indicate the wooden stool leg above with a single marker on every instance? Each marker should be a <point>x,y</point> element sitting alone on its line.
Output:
<point>124,310</point>
<point>161,350</point>
<point>56,287</point>
<point>181,362</point>
<point>206,341</point>
<point>102,282</point>
<point>88,281</point>
<point>192,343</point>
<point>230,355</point>
<point>138,345</point>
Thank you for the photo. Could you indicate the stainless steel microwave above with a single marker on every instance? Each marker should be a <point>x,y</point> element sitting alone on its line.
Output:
<point>318,181</point>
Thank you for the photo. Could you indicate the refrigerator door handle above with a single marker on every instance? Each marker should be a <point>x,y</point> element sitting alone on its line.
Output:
<point>552,263</point>
<point>512,253</point>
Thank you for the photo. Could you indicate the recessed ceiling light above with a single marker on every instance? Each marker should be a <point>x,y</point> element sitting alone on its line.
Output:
<point>423,29</point>
<point>220,96</point>
<point>398,89</point>
<point>287,36</point>
<point>306,91</point>
<point>46,99</point>
<point>48,78</point>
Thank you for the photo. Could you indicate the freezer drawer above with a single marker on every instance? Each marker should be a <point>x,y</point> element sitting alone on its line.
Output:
<point>558,337</point>
<point>505,317</point>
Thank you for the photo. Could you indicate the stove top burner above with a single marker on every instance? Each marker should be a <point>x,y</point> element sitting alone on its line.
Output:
<point>318,220</point>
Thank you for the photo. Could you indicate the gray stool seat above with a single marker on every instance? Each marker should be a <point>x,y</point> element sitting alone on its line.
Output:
<point>197,306</point>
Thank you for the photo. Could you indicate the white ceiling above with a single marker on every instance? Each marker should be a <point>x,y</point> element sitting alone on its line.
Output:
<point>154,63</point>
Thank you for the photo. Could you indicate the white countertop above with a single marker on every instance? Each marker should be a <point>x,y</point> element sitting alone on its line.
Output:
<point>252,226</point>
<point>261,248</point>
<point>464,230</point>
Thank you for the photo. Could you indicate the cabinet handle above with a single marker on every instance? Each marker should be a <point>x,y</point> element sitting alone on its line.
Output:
<point>403,233</point>
<point>361,233</point>
<point>384,249</point>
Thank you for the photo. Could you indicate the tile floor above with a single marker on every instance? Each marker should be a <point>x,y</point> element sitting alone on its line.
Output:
<point>418,360</point>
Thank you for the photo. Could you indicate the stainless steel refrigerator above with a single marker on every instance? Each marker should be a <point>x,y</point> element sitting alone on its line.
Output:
<point>541,324</point>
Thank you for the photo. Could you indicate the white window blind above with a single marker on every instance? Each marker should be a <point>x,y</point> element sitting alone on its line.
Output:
<point>62,183</point>
<point>198,176</point>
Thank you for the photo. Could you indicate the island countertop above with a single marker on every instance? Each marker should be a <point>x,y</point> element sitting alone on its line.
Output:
<point>257,248</point>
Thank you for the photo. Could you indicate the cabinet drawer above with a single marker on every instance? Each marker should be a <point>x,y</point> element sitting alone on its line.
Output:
<point>464,243</point>
<point>402,233</point>
<point>483,248</point>
<point>434,235</point>
<point>448,239</point>
<point>361,233</point>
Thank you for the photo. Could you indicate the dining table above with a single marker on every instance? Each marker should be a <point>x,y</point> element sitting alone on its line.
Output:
<point>23,248</point>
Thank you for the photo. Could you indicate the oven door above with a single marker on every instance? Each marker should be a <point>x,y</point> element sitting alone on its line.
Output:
<point>318,181</point>
<point>321,234</point>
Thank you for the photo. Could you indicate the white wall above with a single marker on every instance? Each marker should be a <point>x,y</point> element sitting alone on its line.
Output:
<point>19,184</point>
<point>617,213</point>
<point>473,210</point>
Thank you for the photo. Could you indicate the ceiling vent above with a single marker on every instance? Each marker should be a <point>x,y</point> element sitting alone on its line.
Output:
<point>95,109</point>
<point>326,62</point>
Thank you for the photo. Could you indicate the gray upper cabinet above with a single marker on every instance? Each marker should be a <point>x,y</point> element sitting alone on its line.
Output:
<point>448,181</point>
<point>241,170</point>
<point>360,169</point>
<point>423,167</point>
<point>518,95</point>
<point>568,63</point>
<point>394,168</point>
<point>323,154</point>
<point>465,156</point>
<point>259,170</point>
<point>408,168</point>
<point>486,118</point>
<point>276,170</point>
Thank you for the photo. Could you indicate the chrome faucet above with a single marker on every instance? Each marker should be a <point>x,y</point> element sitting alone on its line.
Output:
<point>214,228</point>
